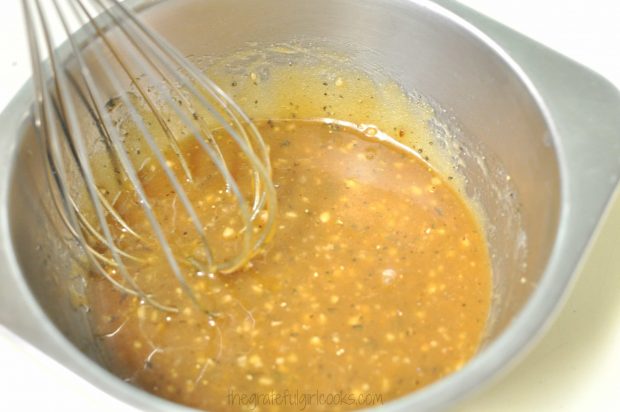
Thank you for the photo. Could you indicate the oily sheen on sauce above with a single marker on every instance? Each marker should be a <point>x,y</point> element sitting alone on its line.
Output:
<point>377,279</point>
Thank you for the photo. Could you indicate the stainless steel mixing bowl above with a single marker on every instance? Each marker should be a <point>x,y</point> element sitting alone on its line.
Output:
<point>516,108</point>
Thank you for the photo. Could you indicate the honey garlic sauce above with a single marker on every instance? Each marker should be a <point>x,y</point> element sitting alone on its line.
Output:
<point>377,281</point>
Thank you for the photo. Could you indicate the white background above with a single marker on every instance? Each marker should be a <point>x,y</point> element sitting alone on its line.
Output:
<point>575,367</point>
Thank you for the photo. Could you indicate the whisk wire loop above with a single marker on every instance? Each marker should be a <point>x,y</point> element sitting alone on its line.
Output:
<point>154,69</point>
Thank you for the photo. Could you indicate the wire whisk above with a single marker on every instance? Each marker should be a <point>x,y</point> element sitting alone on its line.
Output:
<point>110,59</point>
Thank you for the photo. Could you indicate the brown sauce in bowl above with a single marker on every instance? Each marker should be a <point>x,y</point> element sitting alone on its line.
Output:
<point>376,283</point>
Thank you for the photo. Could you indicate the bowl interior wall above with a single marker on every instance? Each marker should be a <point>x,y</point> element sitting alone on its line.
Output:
<point>489,111</point>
